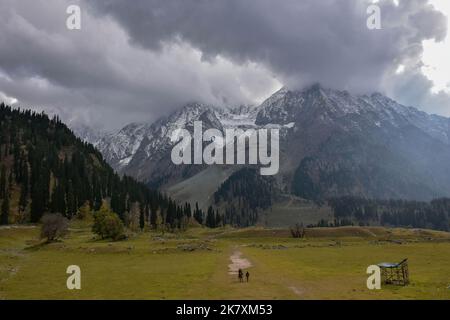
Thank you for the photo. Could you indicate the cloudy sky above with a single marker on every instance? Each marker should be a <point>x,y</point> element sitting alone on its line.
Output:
<point>137,61</point>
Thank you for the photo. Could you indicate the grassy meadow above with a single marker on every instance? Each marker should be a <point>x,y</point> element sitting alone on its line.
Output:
<point>328,264</point>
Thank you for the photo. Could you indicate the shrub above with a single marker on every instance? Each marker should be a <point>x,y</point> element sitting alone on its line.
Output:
<point>84,213</point>
<point>298,231</point>
<point>107,224</point>
<point>54,226</point>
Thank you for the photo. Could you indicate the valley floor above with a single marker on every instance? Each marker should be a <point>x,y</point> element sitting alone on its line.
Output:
<point>201,263</point>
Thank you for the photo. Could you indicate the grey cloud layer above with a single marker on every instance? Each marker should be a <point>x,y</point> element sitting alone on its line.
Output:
<point>138,60</point>
<point>304,41</point>
<point>95,75</point>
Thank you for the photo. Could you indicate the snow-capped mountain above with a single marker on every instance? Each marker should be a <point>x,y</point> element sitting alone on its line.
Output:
<point>332,143</point>
<point>119,147</point>
<point>286,106</point>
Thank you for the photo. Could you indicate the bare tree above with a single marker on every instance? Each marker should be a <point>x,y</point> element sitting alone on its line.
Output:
<point>54,226</point>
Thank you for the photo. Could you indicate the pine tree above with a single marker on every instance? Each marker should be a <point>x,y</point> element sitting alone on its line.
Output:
<point>153,217</point>
<point>198,214</point>
<point>37,202</point>
<point>170,215</point>
<point>3,182</point>
<point>4,219</point>
<point>210,218</point>
<point>219,221</point>
<point>23,201</point>
<point>10,180</point>
<point>142,218</point>
<point>58,200</point>
<point>187,210</point>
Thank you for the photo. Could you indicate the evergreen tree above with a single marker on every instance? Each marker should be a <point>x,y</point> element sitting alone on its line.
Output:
<point>153,217</point>
<point>4,219</point>
<point>3,182</point>
<point>23,201</point>
<point>58,199</point>
<point>142,219</point>
<point>37,202</point>
<point>170,215</point>
<point>210,218</point>
<point>219,221</point>
<point>198,214</point>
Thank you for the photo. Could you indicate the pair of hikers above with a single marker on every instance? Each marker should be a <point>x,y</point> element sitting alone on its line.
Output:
<point>241,275</point>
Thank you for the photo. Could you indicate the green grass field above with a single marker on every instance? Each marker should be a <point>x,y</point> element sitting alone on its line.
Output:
<point>328,264</point>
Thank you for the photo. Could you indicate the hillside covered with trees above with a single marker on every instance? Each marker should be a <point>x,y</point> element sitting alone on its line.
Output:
<point>45,168</point>
<point>243,195</point>
<point>416,214</point>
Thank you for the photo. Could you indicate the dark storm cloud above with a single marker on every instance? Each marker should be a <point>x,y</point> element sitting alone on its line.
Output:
<point>95,75</point>
<point>304,41</point>
<point>139,60</point>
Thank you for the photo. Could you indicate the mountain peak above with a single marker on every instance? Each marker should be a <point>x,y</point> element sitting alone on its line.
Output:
<point>194,105</point>
<point>314,87</point>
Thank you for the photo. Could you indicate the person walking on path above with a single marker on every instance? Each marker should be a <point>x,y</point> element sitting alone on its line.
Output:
<point>247,275</point>
<point>241,275</point>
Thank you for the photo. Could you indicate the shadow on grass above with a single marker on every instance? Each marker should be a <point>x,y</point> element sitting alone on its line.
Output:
<point>35,245</point>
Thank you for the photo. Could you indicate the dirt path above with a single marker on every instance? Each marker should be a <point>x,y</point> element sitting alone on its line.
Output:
<point>238,262</point>
<point>297,291</point>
